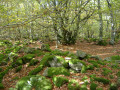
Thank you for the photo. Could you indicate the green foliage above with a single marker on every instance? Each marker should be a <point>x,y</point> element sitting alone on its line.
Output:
<point>51,71</point>
<point>102,43</point>
<point>59,81</point>
<point>118,74</point>
<point>102,80</point>
<point>37,82</point>
<point>93,86</point>
<point>73,85</point>
<point>111,76</point>
<point>1,86</point>
<point>72,55</point>
<point>18,62</point>
<point>113,86</point>
<point>18,68</point>
<point>33,62</point>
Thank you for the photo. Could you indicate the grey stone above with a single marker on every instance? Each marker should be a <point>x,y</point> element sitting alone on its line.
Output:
<point>108,59</point>
<point>96,57</point>
<point>80,54</point>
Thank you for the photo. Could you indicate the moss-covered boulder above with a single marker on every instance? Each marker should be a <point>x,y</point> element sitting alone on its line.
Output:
<point>33,62</point>
<point>58,62</point>
<point>33,82</point>
<point>96,57</point>
<point>76,64</point>
<point>44,62</point>
<point>81,55</point>
<point>51,71</point>
<point>59,81</point>
<point>45,47</point>
<point>73,85</point>
<point>27,58</point>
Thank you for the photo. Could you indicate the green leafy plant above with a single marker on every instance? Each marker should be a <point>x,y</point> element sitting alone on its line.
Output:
<point>18,68</point>
<point>103,80</point>
<point>33,62</point>
<point>93,86</point>
<point>73,85</point>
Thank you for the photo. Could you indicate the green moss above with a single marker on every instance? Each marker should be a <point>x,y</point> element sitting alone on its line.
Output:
<point>73,85</point>
<point>111,76</point>
<point>36,82</point>
<point>59,52</point>
<point>95,64</point>
<point>36,70</point>
<point>83,87</point>
<point>113,86</point>
<point>102,80</point>
<point>116,57</point>
<point>45,47</point>
<point>18,62</point>
<point>93,86</point>
<point>1,69</point>
<point>83,70</point>
<point>33,62</point>
<point>1,86</point>
<point>18,68</point>
<point>59,81</point>
<point>27,58</point>
<point>118,74</point>
<point>43,63</point>
<point>75,61</point>
<point>72,55</point>
<point>106,71</point>
<point>51,71</point>
<point>90,67</point>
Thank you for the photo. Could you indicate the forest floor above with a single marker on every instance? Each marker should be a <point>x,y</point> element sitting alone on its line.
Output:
<point>90,48</point>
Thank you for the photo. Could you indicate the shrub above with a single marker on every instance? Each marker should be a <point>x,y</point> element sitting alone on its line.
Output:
<point>102,43</point>
<point>102,80</point>
<point>18,68</point>
<point>93,86</point>
<point>59,81</point>
<point>73,85</point>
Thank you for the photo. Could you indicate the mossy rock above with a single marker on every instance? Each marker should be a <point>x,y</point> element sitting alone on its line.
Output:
<point>113,86</point>
<point>33,62</point>
<point>27,58</point>
<point>44,62</point>
<point>51,71</point>
<point>93,86</point>
<point>59,81</point>
<point>18,68</point>
<point>45,47</point>
<point>73,85</point>
<point>33,82</point>
<point>96,57</point>
<point>72,55</point>
<point>81,55</point>
<point>77,65</point>
<point>102,80</point>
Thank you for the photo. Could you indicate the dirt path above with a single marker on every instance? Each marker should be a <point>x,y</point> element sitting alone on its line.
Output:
<point>102,51</point>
